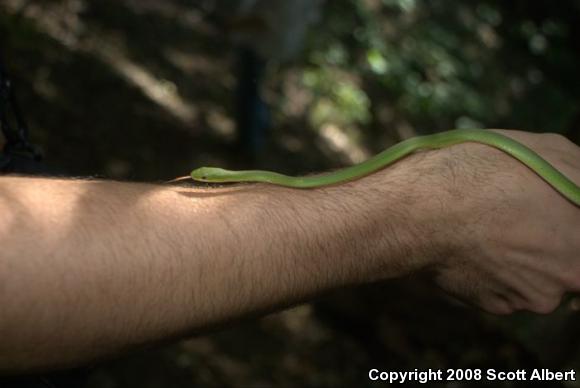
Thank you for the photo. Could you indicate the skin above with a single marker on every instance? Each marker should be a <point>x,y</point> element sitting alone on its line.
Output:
<point>90,269</point>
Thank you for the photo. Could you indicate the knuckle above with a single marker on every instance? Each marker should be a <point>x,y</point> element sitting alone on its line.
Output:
<point>505,309</point>
<point>499,307</point>
<point>558,139</point>
<point>571,280</point>
<point>545,306</point>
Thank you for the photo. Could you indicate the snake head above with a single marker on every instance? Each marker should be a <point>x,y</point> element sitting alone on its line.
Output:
<point>208,174</point>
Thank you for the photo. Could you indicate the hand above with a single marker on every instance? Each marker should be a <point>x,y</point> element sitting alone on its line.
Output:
<point>513,242</point>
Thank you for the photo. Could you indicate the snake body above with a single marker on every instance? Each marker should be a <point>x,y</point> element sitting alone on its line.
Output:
<point>535,162</point>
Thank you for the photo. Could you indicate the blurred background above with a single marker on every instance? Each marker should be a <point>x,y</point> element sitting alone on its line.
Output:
<point>146,90</point>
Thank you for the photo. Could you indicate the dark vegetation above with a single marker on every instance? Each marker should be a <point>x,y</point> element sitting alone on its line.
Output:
<point>144,91</point>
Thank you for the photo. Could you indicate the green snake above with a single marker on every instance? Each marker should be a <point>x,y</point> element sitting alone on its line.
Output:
<point>540,166</point>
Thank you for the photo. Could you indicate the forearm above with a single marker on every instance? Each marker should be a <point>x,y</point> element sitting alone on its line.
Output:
<point>89,268</point>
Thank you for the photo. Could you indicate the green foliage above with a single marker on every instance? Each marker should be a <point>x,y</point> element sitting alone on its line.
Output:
<point>338,98</point>
<point>442,64</point>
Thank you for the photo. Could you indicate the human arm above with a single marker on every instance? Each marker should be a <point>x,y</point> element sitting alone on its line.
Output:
<point>94,268</point>
<point>90,268</point>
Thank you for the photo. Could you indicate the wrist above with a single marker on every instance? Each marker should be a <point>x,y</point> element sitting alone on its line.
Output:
<point>389,224</point>
<point>410,208</point>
